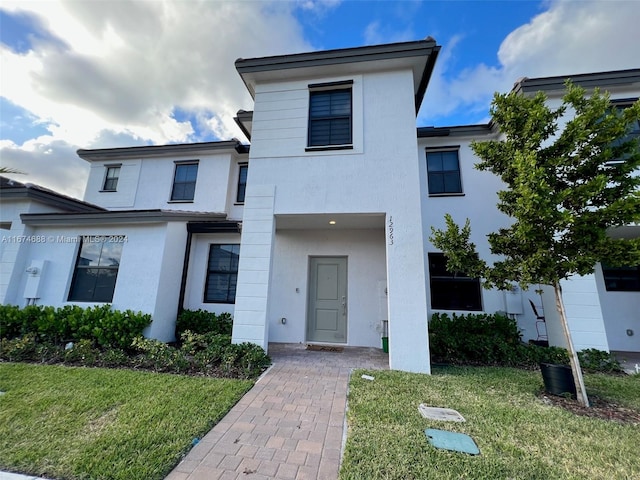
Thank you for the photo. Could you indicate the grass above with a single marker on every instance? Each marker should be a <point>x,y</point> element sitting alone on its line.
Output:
<point>519,436</point>
<point>92,423</point>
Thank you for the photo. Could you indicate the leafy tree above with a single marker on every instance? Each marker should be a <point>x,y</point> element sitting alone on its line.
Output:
<point>565,191</point>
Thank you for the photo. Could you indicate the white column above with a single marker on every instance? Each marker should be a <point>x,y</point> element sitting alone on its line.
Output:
<point>408,334</point>
<point>254,270</point>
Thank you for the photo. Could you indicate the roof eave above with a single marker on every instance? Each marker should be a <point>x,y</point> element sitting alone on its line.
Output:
<point>103,154</point>
<point>118,217</point>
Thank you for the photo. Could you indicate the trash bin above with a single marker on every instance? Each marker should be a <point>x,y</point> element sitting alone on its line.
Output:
<point>385,336</point>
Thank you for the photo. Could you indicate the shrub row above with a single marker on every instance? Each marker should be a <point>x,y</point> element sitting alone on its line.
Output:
<point>484,339</point>
<point>201,321</point>
<point>199,354</point>
<point>107,328</point>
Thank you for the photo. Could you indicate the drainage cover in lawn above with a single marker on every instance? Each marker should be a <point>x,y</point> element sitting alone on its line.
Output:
<point>444,414</point>
<point>458,442</point>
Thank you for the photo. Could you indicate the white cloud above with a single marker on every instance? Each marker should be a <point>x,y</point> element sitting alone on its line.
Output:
<point>125,67</point>
<point>569,38</point>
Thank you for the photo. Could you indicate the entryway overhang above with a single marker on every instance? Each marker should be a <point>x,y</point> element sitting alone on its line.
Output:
<point>334,221</point>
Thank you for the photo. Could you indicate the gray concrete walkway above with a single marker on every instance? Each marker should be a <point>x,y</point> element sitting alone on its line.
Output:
<point>290,425</point>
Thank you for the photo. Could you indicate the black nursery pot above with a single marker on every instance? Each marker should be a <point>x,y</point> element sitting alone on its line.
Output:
<point>558,379</point>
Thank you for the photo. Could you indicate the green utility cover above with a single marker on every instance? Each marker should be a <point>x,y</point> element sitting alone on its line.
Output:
<point>458,442</point>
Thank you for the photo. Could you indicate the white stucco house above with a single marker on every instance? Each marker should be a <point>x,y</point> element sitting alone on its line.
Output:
<point>315,232</point>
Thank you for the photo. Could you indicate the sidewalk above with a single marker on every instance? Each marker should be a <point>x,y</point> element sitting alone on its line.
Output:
<point>290,425</point>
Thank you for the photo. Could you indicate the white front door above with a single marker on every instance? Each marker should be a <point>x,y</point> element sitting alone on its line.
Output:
<point>327,313</point>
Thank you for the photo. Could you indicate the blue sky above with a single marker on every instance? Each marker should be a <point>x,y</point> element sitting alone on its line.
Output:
<point>94,74</point>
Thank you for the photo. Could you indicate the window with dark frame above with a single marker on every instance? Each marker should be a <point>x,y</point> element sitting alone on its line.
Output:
<point>330,122</point>
<point>184,182</point>
<point>111,176</point>
<point>443,171</point>
<point>633,133</point>
<point>242,183</point>
<point>96,270</point>
<point>621,279</point>
<point>452,291</point>
<point>222,273</point>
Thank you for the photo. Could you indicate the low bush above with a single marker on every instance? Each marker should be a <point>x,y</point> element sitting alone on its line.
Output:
<point>482,339</point>
<point>100,324</point>
<point>473,338</point>
<point>593,360</point>
<point>201,321</point>
<point>206,354</point>
<point>101,337</point>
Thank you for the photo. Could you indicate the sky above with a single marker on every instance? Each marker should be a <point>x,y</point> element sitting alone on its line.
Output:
<point>118,73</point>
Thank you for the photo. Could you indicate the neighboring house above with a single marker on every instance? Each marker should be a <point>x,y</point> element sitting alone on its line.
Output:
<point>316,233</point>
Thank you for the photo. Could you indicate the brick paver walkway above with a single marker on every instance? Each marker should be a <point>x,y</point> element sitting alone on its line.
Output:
<point>290,425</point>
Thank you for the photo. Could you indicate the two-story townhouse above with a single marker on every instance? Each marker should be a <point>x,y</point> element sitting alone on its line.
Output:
<point>167,214</point>
<point>603,309</point>
<point>319,231</point>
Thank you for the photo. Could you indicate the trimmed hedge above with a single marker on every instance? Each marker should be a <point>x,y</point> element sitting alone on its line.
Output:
<point>201,321</point>
<point>107,328</point>
<point>101,337</point>
<point>484,339</point>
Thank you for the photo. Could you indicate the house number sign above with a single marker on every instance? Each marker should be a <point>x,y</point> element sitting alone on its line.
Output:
<point>390,230</point>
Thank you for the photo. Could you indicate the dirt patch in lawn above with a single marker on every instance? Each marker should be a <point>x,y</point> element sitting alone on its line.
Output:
<point>599,408</point>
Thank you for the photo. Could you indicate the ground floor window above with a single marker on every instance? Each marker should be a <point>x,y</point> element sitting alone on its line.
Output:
<point>452,291</point>
<point>222,273</point>
<point>96,270</point>
<point>621,279</point>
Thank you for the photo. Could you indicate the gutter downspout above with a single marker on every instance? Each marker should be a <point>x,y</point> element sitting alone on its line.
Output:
<point>185,269</point>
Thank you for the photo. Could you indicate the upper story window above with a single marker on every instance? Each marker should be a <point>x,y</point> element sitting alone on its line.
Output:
<point>184,182</point>
<point>242,182</point>
<point>222,274</point>
<point>452,291</point>
<point>621,279</point>
<point>96,271</point>
<point>443,171</point>
<point>111,175</point>
<point>633,133</point>
<point>330,115</point>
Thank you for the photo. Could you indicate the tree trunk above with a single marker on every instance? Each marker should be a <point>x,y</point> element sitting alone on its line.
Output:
<point>581,392</point>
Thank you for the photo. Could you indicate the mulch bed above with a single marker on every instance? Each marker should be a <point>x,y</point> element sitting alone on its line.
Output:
<point>599,408</point>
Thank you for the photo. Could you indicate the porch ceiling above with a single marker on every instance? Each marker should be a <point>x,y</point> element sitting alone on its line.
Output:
<point>319,221</point>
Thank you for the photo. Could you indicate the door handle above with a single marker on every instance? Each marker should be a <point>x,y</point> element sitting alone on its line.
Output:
<point>344,305</point>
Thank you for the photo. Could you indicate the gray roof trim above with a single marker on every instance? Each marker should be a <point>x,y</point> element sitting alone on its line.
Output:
<point>242,118</point>
<point>585,80</point>
<point>12,189</point>
<point>119,217</point>
<point>371,53</point>
<point>457,131</point>
<point>426,76</point>
<point>336,56</point>
<point>102,154</point>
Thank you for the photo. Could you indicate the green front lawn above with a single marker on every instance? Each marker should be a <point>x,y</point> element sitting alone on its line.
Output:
<point>519,436</point>
<point>91,423</point>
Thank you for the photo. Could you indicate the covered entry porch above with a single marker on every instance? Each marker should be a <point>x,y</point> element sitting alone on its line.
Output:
<point>328,280</point>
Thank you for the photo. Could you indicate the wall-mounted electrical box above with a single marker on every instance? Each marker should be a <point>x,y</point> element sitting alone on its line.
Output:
<point>513,300</point>
<point>34,273</point>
